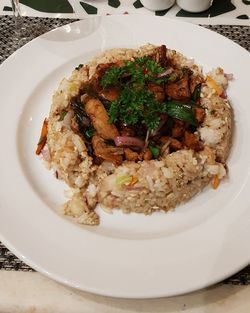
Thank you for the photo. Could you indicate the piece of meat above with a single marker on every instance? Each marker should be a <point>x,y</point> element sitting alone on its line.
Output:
<point>177,132</point>
<point>160,56</point>
<point>178,129</point>
<point>100,119</point>
<point>110,94</point>
<point>99,73</point>
<point>147,155</point>
<point>164,139</point>
<point>131,155</point>
<point>179,90</point>
<point>127,131</point>
<point>96,77</point>
<point>175,75</point>
<point>175,144</point>
<point>158,91</point>
<point>106,152</point>
<point>192,141</point>
<point>101,69</point>
<point>98,160</point>
<point>194,81</point>
<point>199,114</point>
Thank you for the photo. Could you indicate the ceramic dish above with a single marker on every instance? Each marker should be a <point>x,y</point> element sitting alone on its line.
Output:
<point>132,256</point>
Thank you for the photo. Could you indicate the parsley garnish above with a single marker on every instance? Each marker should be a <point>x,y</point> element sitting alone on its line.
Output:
<point>136,104</point>
<point>140,71</point>
<point>111,76</point>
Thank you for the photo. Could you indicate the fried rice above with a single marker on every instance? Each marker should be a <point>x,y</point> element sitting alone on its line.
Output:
<point>145,186</point>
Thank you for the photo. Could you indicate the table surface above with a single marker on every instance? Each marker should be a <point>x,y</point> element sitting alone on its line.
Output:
<point>33,293</point>
<point>229,12</point>
<point>10,263</point>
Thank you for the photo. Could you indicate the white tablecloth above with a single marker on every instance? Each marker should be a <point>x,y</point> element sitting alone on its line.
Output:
<point>33,293</point>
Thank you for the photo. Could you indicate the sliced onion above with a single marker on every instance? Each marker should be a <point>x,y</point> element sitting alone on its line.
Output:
<point>166,73</point>
<point>223,95</point>
<point>46,155</point>
<point>229,76</point>
<point>128,141</point>
<point>133,188</point>
<point>165,148</point>
<point>67,119</point>
<point>190,62</point>
<point>108,166</point>
<point>84,97</point>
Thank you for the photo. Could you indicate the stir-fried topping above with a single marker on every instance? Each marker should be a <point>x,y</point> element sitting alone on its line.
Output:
<point>138,110</point>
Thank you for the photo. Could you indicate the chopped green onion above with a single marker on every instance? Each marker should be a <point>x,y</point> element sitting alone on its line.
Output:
<point>155,151</point>
<point>62,115</point>
<point>124,180</point>
<point>173,77</point>
<point>89,133</point>
<point>182,111</point>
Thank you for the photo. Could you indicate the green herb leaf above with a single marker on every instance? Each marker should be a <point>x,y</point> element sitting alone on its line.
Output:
<point>114,111</point>
<point>141,70</point>
<point>111,76</point>
<point>89,132</point>
<point>181,111</point>
<point>62,115</point>
<point>155,151</point>
<point>136,105</point>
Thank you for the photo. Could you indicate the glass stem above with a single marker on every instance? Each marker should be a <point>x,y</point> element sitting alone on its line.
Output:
<point>17,15</point>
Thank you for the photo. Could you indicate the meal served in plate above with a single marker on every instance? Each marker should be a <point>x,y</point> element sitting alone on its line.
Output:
<point>141,130</point>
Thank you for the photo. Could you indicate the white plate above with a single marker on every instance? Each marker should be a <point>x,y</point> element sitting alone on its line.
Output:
<point>132,256</point>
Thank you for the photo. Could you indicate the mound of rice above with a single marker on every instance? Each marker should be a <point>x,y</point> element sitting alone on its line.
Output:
<point>158,184</point>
